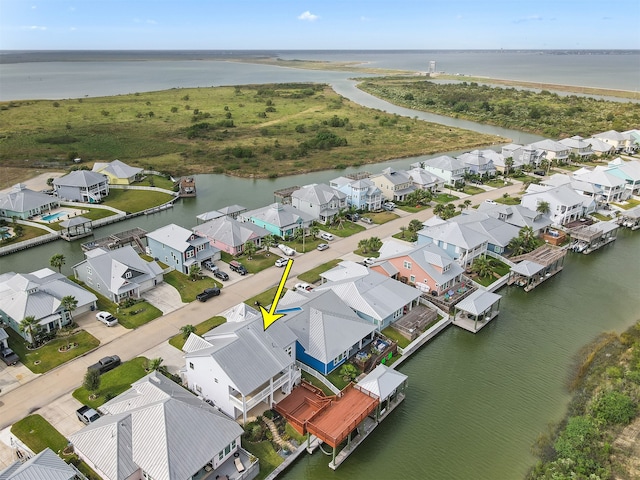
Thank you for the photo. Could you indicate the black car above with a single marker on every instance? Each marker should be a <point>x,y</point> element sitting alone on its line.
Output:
<point>9,357</point>
<point>105,364</point>
<point>221,275</point>
<point>207,293</point>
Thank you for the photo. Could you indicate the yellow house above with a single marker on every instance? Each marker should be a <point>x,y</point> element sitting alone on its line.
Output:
<point>118,173</point>
<point>394,184</point>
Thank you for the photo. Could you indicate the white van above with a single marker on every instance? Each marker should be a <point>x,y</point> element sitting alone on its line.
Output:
<point>287,250</point>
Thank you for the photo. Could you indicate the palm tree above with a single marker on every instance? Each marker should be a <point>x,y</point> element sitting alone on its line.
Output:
<point>363,245</point>
<point>29,326</point>
<point>339,218</point>
<point>249,249</point>
<point>543,207</point>
<point>482,267</point>
<point>269,241</point>
<point>516,245</point>
<point>57,261</point>
<point>69,303</point>
<point>314,230</point>
<point>403,230</point>
<point>299,235</point>
<point>461,207</point>
<point>467,203</point>
<point>374,244</point>
<point>194,272</point>
<point>187,330</point>
<point>155,364</point>
<point>439,210</point>
<point>449,211</point>
<point>415,225</point>
<point>508,163</point>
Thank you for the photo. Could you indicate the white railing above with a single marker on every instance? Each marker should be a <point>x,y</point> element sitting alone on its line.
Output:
<point>497,256</point>
<point>47,237</point>
<point>140,187</point>
<point>422,339</point>
<point>319,376</point>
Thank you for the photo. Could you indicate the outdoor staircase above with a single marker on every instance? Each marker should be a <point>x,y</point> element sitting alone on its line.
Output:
<point>276,436</point>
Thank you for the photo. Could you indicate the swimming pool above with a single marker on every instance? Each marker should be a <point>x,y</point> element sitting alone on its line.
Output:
<point>53,216</point>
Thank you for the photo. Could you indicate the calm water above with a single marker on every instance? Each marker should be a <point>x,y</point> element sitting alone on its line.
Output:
<point>476,403</point>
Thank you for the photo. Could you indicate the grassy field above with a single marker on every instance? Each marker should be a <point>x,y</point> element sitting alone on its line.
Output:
<point>259,261</point>
<point>28,233</point>
<point>383,217</point>
<point>188,288</point>
<point>113,383</point>
<point>47,357</point>
<point>254,131</point>
<point>38,434</point>
<point>267,456</point>
<point>393,334</point>
<point>135,200</point>
<point>201,328</point>
<point>265,298</point>
<point>345,230</point>
<point>313,275</point>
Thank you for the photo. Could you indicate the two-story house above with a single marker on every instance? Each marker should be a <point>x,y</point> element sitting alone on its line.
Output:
<point>320,201</point>
<point>555,151</point>
<point>452,170</point>
<point>523,155</point>
<point>478,163</point>
<point>425,180</point>
<point>230,235</point>
<point>118,173</point>
<point>279,219</point>
<point>39,295</point>
<point>578,146</point>
<point>518,216</point>
<point>428,267</point>
<point>621,142</point>
<point>565,204</point>
<point>613,187</point>
<point>361,194</point>
<point>394,184</point>
<point>629,172</point>
<point>180,248</point>
<point>461,242</point>
<point>82,186</point>
<point>118,274</point>
<point>240,365</point>
<point>600,147</point>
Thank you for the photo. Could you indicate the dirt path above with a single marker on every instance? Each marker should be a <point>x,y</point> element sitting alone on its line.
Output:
<point>37,183</point>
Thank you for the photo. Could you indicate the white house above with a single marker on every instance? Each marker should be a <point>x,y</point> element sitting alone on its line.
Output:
<point>621,142</point>
<point>565,204</point>
<point>612,187</point>
<point>629,172</point>
<point>425,180</point>
<point>239,365</point>
<point>361,194</point>
<point>46,465</point>
<point>320,201</point>
<point>578,145</point>
<point>451,169</point>
<point>461,242</point>
<point>554,150</point>
<point>118,274</point>
<point>518,216</point>
<point>180,248</point>
<point>82,186</point>
<point>523,155</point>
<point>479,163</point>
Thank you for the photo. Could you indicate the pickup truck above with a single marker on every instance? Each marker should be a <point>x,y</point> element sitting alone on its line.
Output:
<point>87,415</point>
<point>9,357</point>
<point>105,364</point>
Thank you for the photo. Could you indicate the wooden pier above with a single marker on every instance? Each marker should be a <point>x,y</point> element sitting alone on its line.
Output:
<point>129,237</point>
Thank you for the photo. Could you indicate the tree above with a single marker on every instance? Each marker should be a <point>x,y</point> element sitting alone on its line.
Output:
<point>415,225</point>
<point>403,230</point>
<point>543,207</point>
<point>508,163</point>
<point>69,303</point>
<point>92,380</point>
<point>299,235</point>
<point>269,241</point>
<point>374,244</point>
<point>194,272</point>
<point>29,326</point>
<point>314,230</point>
<point>363,245</point>
<point>187,330</point>
<point>249,249</point>
<point>57,261</point>
<point>482,267</point>
<point>339,218</point>
<point>349,370</point>
<point>467,203</point>
<point>461,207</point>
<point>439,210</point>
<point>155,365</point>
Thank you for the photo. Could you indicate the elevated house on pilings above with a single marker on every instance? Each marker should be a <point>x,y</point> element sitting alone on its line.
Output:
<point>187,187</point>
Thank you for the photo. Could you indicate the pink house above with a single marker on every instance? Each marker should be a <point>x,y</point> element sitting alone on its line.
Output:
<point>230,235</point>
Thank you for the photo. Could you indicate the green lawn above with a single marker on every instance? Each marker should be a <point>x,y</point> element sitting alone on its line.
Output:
<point>599,216</point>
<point>383,217</point>
<point>310,244</point>
<point>37,434</point>
<point>629,204</point>
<point>188,288</point>
<point>366,254</point>
<point>28,233</point>
<point>135,200</point>
<point>97,213</point>
<point>346,230</point>
<point>472,190</point>
<point>201,328</point>
<point>338,380</point>
<point>508,200</point>
<point>444,198</point>
<point>265,298</point>
<point>396,336</point>
<point>313,275</point>
<point>410,209</point>
<point>48,356</point>
<point>155,181</point>
<point>259,261</point>
<point>497,183</point>
<point>293,433</point>
<point>267,456</point>
<point>114,382</point>
<point>316,383</point>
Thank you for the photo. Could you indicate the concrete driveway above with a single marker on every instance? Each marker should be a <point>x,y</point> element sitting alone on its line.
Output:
<point>164,297</point>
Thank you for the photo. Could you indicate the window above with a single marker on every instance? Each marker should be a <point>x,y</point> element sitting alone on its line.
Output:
<point>289,350</point>
<point>233,444</point>
<point>215,380</point>
<point>89,271</point>
<point>128,274</point>
<point>191,366</point>
<point>412,278</point>
<point>227,450</point>
<point>407,265</point>
<point>220,455</point>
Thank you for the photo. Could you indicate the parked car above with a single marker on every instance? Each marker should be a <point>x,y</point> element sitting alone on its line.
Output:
<point>9,357</point>
<point>354,217</point>
<point>87,415</point>
<point>281,262</point>
<point>370,261</point>
<point>326,236</point>
<point>105,364</point>
<point>106,318</point>
<point>540,173</point>
<point>366,220</point>
<point>490,202</point>
<point>208,293</point>
<point>208,264</point>
<point>322,246</point>
<point>221,275</point>
<point>237,267</point>
<point>304,286</point>
<point>389,206</point>
<point>287,250</point>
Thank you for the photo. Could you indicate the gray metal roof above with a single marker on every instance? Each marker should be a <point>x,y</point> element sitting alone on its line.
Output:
<point>230,231</point>
<point>21,199</point>
<point>46,465</point>
<point>527,268</point>
<point>454,234</point>
<point>318,194</point>
<point>382,381</point>
<point>478,302</point>
<point>158,426</point>
<point>74,222</point>
<point>117,168</point>
<point>445,162</point>
<point>279,215</point>
<point>212,215</point>
<point>81,178</point>
<point>178,238</point>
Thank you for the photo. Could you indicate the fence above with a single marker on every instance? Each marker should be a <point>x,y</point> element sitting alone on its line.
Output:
<point>501,258</point>
<point>46,238</point>
<point>317,375</point>
<point>140,187</point>
<point>422,339</point>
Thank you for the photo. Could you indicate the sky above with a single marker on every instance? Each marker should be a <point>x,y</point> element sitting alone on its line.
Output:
<point>318,25</point>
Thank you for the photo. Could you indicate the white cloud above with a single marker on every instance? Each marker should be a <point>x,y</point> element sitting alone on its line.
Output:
<point>308,16</point>
<point>73,29</point>
<point>530,18</point>
<point>35,27</point>
<point>459,17</point>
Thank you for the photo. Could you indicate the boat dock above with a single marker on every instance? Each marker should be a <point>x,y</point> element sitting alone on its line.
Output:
<point>129,237</point>
<point>589,238</point>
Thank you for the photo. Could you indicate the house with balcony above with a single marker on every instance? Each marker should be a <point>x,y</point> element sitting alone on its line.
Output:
<point>361,193</point>
<point>39,294</point>
<point>565,204</point>
<point>395,185</point>
<point>82,186</point>
<point>461,242</point>
<point>24,203</point>
<point>428,267</point>
<point>376,298</point>
<point>320,201</point>
<point>118,274</point>
<point>478,162</point>
<point>158,430</point>
<point>425,180</point>
<point>118,173</point>
<point>45,465</point>
<point>522,155</point>
<point>279,219</point>
<point>327,330</point>
<point>600,147</point>
<point>518,216</point>
<point>497,232</point>
<point>585,189</point>
<point>621,142</point>
<point>180,248</point>
<point>629,172</point>
<point>578,146</point>
<point>555,151</point>
<point>230,235</point>
<point>239,366</point>
<point>452,170</point>
<point>612,187</point>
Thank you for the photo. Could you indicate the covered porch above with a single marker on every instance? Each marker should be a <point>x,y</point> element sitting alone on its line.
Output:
<point>76,227</point>
<point>476,311</point>
<point>588,238</point>
<point>240,466</point>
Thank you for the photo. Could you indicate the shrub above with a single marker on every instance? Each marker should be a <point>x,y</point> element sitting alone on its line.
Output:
<point>614,408</point>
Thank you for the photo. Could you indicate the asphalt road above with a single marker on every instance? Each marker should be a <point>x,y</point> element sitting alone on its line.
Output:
<point>44,389</point>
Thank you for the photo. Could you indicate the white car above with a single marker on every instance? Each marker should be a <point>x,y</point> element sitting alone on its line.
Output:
<point>322,246</point>
<point>370,261</point>
<point>106,318</point>
<point>326,236</point>
<point>304,286</point>
<point>281,262</point>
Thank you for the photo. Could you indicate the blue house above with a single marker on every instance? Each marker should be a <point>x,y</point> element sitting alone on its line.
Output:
<point>460,241</point>
<point>280,220</point>
<point>328,332</point>
<point>361,194</point>
<point>180,248</point>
